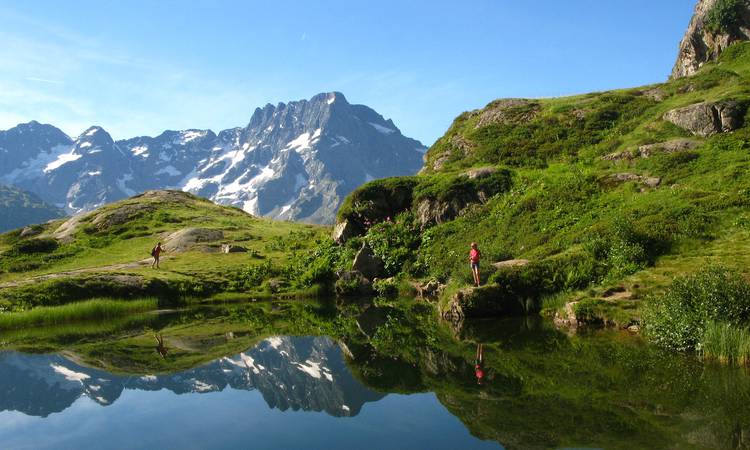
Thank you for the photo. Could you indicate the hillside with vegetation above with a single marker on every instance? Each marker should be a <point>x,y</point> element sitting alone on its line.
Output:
<point>587,204</point>
<point>106,253</point>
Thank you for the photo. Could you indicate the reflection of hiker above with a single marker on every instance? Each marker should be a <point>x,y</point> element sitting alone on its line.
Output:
<point>474,256</point>
<point>156,253</point>
<point>479,364</point>
<point>160,348</point>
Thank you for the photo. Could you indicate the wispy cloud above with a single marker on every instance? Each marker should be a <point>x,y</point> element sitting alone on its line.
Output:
<point>44,80</point>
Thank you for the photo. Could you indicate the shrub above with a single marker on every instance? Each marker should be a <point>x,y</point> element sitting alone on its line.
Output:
<point>395,242</point>
<point>679,318</point>
<point>40,245</point>
<point>724,16</point>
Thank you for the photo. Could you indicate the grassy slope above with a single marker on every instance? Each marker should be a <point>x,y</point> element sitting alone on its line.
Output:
<point>562,213</point>
<point>95,250</point>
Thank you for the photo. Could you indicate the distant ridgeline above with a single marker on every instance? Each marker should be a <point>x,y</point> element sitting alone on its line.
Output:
<point>19,208</point>
<point>582,195</point>
<point>292,161</point>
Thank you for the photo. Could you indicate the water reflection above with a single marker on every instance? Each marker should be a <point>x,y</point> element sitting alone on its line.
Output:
<point>297,373</point>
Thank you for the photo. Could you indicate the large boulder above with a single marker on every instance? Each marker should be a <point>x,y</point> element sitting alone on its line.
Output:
<point>706,119</point>
<point>366,263</point>
<point>431,211</point>
<point>188,238</point>
<point>704,41</point>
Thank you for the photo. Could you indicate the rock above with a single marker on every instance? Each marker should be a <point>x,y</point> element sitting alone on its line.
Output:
<point>230,248</point>
<point>568,316</point>
<point>187,238</point>
<point>366,263</point>
<point>648,150</point>
<point>701,45</point>
<point>672,146</point>
<point>511,263</point>
<point>118,216</point>
<point>343,231</point>
<point>634,328</point>
<point>706,119</point>
<point>508,111</point>
<point>484,301</point>
<point>480,172</point>
<point>655,94</point>
<point>624,177</point>
<point>430,290</point>
<point>30,231</point>
<point>432,211</point>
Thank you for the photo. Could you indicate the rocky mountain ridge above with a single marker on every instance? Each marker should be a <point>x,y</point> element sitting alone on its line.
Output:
<point>293,161</point>
<point>716,24</point>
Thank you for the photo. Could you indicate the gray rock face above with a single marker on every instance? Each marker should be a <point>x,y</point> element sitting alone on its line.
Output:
<point>706,119</point>
<point>366,263</point>
<point>344,231</point>
<point>702,44</point>
<point>649,150</point>
<point>294,161</point>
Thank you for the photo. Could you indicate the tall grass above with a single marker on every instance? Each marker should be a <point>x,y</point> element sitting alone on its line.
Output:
<point>95,309</point>
<point>726,343</point>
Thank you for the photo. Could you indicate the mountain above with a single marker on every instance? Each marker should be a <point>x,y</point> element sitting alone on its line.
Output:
<point>299,373</point>
<point>716,24</point>
<point>19,208</point>
<point>293,161</point>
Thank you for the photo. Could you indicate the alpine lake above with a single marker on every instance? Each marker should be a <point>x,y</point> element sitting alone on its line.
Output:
<point>356,375</point>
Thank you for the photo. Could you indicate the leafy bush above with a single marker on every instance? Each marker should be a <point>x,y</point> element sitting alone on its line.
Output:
<point>724,16</point>
<point>678,319</point>
<point>40,245</point>
<point>395,242</point>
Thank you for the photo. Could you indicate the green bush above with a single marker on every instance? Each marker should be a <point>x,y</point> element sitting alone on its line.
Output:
<point>724,16</point>
<point>387,288</point>
<point>678,319</point>
<point>39,245</point>
<point>395,242</point>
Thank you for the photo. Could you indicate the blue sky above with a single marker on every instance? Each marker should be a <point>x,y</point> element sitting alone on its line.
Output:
<point>139,67</point>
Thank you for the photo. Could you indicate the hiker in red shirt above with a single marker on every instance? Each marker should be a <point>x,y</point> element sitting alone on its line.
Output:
<point>479,364</point>
<point>156,253</point>
<point>474,256</point>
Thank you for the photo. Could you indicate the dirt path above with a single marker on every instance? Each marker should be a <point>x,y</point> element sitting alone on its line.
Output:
<point>51,276</point>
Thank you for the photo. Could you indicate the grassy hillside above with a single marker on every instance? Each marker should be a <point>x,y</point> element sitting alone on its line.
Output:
<point>19,208</point>
<point>107,252</point>
<point>600,222</point>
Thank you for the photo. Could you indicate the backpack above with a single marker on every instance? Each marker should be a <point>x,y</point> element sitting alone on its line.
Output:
<point>153,251</point>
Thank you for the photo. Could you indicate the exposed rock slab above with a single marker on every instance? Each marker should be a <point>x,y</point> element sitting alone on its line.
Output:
<point>706,119</point>
<point>511,263</point>
<point>648,150</point>
<point>508,111</point>
<point>625,177</point>
<point>187,238</point>
<point>343,231</point>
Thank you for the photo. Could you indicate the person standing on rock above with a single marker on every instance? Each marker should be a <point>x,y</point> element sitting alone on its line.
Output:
<point>474,256</point>
<point>156,253</point>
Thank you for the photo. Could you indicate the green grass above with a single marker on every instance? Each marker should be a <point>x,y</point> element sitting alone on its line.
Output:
<point>726,343</point>
<point>94,309</point>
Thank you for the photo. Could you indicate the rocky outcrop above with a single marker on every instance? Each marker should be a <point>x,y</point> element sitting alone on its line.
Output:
<point>432,211</point>
<point>649,150</point>
<point>345,230</point>
<point>625,177</point>
<point>484,301</point>
<point>706,37</point>
<point>366,263</point>
<point>187,239</point>
<point>511,263</point>
<point>706,119</point>
<point>508,111</point>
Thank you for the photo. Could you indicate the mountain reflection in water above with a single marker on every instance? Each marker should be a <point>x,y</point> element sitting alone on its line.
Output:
<point>291,372</point>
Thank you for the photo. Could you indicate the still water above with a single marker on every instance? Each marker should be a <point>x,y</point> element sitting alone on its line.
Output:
<point>374,377</point>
